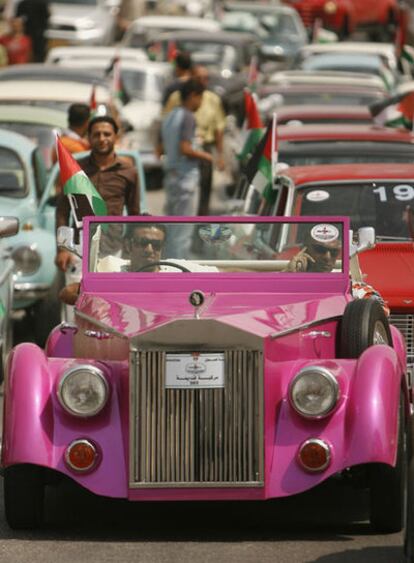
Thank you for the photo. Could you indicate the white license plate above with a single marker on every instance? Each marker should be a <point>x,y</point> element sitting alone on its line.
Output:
<point>195,371</point>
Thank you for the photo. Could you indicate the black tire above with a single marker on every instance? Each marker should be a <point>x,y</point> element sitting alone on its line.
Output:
<point>409,522</point>
<point>388,485</point>
<point>24,496</point>
<point>363,324</point>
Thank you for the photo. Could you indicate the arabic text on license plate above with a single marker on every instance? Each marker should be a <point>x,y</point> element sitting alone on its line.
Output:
<point>194,371</point>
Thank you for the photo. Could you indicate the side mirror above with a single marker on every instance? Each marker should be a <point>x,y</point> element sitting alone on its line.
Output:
<point>9,226</point>
<point>65,238</point>
<point>365,239</point>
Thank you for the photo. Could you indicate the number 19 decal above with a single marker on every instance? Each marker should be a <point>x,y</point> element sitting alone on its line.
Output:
<point>402,192</point>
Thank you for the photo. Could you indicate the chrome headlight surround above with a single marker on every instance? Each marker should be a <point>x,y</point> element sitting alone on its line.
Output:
<point>83,391</point>
<point>315,387</point>
<point>27,260</point>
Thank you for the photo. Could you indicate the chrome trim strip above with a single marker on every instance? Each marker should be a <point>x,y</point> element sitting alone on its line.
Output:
<point>304,326</point>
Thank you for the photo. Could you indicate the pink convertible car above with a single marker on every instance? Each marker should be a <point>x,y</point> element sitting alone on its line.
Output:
<point>211,359</point>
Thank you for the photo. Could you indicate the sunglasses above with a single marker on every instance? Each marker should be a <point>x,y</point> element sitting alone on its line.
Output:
<point>320,249</point>
<point>144,242</point>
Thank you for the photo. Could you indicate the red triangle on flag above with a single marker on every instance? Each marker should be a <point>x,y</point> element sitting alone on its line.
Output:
<point>253,119</point>
<point>67,164</point>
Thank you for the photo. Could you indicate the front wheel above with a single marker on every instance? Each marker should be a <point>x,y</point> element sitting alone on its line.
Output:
<point>363,324</point>
<point>388,485</point>
<point>24,496</point>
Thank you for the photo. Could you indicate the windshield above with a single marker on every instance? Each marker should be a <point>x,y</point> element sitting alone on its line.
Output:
<point>80,2</point>
<point>213,55</point>
<point>143,85</point>
<point>268,247</point>
<point>12,174</point>
<point>386,206</point>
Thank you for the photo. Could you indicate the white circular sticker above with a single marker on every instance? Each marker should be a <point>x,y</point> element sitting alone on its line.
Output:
<point>317,195</point>
<point>324,233</point>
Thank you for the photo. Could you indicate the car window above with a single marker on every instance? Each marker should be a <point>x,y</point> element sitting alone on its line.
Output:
<point>12,174</point>
<point>386,206</point>
<point>43,135</point>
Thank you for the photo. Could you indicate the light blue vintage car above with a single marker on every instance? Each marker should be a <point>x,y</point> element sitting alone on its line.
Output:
<point>27,193</point>
<point>8,227</point>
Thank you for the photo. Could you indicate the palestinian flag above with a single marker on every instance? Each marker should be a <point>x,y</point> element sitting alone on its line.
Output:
<point>259,168</point>
<point>253,126</point>
<point>253,73</point>
<point>118,90</point>
<point>83,196</point>
<point>171,52</point>
<point>395,111</point>
<point>93,106</point>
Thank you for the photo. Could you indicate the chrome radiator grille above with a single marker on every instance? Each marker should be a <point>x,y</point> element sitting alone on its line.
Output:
<point>197,437</point>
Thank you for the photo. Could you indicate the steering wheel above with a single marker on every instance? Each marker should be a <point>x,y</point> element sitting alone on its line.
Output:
<point>164,263</point>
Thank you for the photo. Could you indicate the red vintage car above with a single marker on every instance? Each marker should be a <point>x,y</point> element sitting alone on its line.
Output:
<point>345,16</point>
<point>380,196</point>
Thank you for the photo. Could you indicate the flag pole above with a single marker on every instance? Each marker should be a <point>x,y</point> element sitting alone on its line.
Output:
<point>274,148</point>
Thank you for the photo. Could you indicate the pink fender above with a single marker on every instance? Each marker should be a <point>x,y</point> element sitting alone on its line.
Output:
<point>37,430</point>
<point>363,428</point>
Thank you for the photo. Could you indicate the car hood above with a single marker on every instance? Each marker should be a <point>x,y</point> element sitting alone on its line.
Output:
<point>389,268</point>
<point>265,314</point>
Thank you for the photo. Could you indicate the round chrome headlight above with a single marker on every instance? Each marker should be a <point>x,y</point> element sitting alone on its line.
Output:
<point>26,260</point>
<point>83,391</point>
<point>314,392</point>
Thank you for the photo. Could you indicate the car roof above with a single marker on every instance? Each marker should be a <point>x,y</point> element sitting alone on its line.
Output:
<point>347,132</point>
<point>33,114</point>
<point>300,111</point>
<point>257,8</point>
<point>349,172</point>
<point>225,37</point>
<point>43,71</point>
<point>16,142</point>
<point>53,90</point>
<point>152,67</point>
<point>95,52</point>
<point>386,49</point>
<point>174,23</point>
<point>328,76</point>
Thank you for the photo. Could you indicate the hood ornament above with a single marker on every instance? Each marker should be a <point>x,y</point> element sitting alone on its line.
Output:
<point>196,299</point>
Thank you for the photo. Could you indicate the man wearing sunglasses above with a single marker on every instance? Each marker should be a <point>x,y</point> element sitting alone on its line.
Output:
<point>144,247</point>
<point>316,256</point>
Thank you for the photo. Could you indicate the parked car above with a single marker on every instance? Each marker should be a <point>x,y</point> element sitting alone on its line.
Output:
<point>380,17</point>
<point>37,123</point>
<point>9,226</point>
<point>381,197</point>
<point>284,31</point>
<point>227,55</point>
<point>22,181</point>
<point>79,22</point>
<point>147,28</point>
<point>247,384</point>
<point>327,88</point>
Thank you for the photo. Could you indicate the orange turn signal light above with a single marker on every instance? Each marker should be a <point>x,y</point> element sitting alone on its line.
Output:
<point>81,455</point>
<point>314,455</point>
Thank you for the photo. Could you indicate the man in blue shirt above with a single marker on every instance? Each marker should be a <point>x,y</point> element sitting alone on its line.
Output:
<point>181,159</point>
